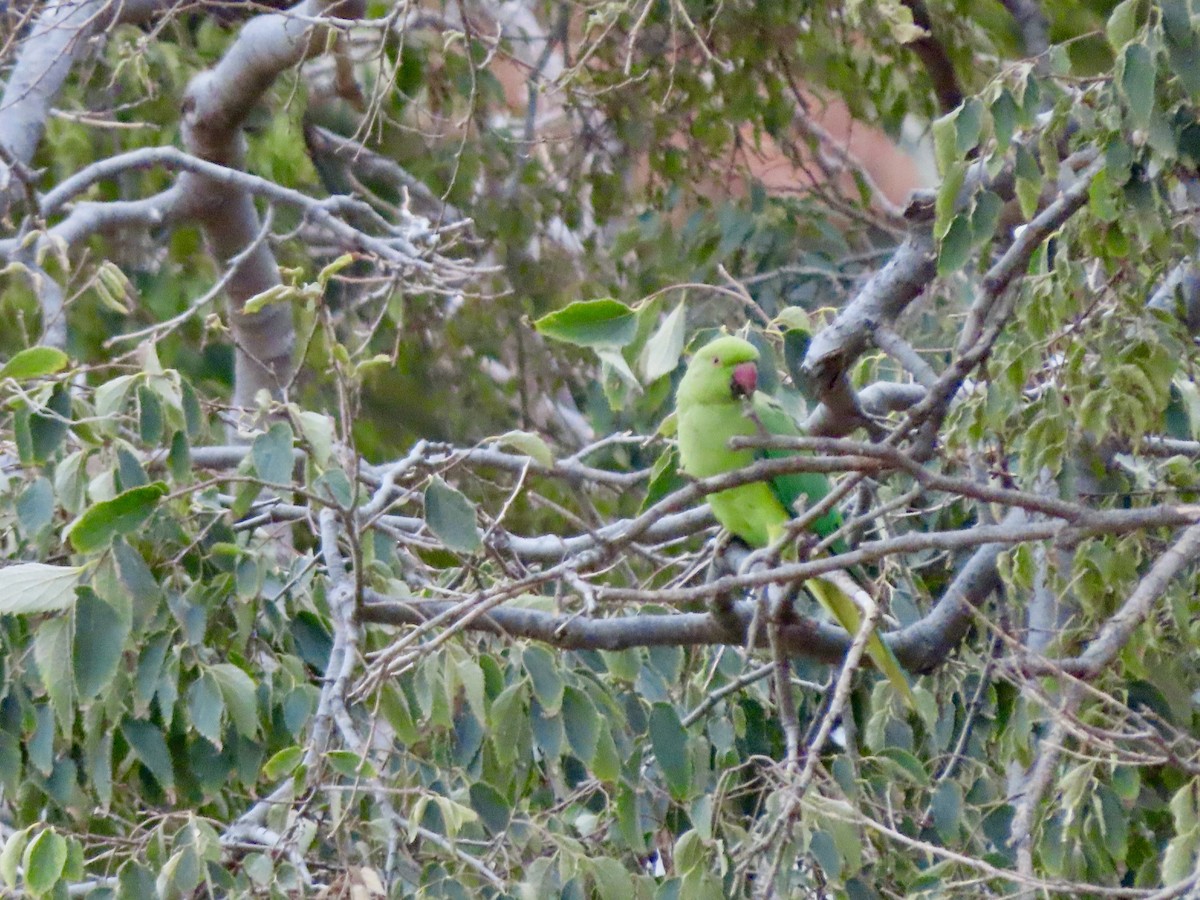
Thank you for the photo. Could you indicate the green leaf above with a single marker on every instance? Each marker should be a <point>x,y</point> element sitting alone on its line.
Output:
<point>1031,99</point>
<point>1179,860</point>
<point>985,217</point>
<point>470,675</point>
<point>688,852</point>
<point>1183,808</point>
<point>48,427</point>
<point>1102,198</point>
<point>1029,182</point>
<point>193,415</point>
<point>661,354</point>
<point>454,815</point>
<point>206,707</point>
<point>98,766</point>
<point>100,633</point>
<point>135,882</point>
<point>947,810</point>
<point>968,126</point>
<point>581,723</point>
<point>150,747</point>
<point>43,861</point>
<point>52,650</point>
<point>10,858</point>
<point>528,443</point>
<point>1183,49</point>
<point>506,716</point>
<point>900,24</point>
<point>451,517</point>
<point>35,505</point>
<point>37,587</point>
<point>110,396</point>
<point>180,875</point>
<point>130,473</point>
<point>945,142</point>
<point>664,478</point>
<point>956,246</point>
<point>629,822</point>
<point>670,744</point>
<point>1137,81</point>
<point>10,763</point>
<point>276,293</point>
<point>615,364</point>
<point>284,762</point>
<point>318,431</point>
<point>1122,24</point>
<point>73,870</point>
<point>150,416</point>
<point>548,686</point>
<point>394,706</point>
<point>946,203</point>
<point>606,763</point>
<point>796,342</point>
<point>239,693</point>
<point>69,481</point>
<point>349,763</point>
<point>179,457</point>
<point>123,514</point>
<point>272,454</point>
<point>491,807</point>
<point>1114,822</point>
<point>1126,782</point>
<point>612,880</point>
<point>335,485</point>
<point>591,323</point>
<point>137,579</point>
<point>333,268</point>
<point>259,868</point>
<point>1004,120</point>
<point>547,730</point>
<point>793,318</point>
<point>34,362</point>
<point>824,849</point>
<point>907,763</point>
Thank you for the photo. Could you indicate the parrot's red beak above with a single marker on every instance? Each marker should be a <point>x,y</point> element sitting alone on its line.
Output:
<point>745,380</point>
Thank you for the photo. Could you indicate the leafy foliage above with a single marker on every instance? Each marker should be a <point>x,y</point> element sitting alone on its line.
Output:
<point>439,616</point>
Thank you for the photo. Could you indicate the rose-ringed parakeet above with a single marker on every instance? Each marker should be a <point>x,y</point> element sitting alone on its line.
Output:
<point>717,401</point>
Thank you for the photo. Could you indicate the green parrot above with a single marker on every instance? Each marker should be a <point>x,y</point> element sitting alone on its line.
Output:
<point>710,410</point>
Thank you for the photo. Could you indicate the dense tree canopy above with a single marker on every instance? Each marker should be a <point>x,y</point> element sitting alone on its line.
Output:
<point>345,550</point>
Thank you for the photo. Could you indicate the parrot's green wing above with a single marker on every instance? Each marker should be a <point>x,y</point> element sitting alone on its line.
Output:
<point>799,490</point>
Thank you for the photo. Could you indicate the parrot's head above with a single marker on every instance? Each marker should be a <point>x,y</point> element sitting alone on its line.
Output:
<point>722,371</point>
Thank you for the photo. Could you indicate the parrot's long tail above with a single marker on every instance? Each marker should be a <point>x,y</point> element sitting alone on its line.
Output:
<point>844,609</point>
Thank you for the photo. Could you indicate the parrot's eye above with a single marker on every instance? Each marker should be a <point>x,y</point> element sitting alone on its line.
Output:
<point>716,360</point>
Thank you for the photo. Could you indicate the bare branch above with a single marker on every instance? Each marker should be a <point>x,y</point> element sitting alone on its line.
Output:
<point>934,58</point>
<point>1035,30</point>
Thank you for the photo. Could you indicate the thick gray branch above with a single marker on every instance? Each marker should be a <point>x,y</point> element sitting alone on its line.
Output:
<point>934,58</point>
<point>215,106</point>
<point>921,647</point>
<point>882,299</point>
<point>1031,21</point>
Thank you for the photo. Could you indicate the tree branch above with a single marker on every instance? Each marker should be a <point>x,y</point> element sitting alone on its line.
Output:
<point>46,58</point>
<point>934,58</point>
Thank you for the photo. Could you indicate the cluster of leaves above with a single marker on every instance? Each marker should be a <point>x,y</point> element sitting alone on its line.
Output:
<point>120,700</point>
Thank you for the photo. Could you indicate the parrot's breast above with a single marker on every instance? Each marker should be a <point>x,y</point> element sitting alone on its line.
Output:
<point>750,511</point>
